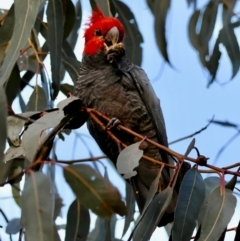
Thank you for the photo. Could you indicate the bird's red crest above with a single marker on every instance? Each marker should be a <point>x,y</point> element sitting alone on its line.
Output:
<point>98,21</point>
<point>97,15</point>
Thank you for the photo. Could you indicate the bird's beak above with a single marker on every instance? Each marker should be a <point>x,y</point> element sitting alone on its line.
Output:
<point>112,36</point>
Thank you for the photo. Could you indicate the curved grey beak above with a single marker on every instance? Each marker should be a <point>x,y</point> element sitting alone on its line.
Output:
<point>112,36</point>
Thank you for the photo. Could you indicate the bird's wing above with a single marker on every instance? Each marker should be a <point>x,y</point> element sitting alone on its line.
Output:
<point>149,98</point>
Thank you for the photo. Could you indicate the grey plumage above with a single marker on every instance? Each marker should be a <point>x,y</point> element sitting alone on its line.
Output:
<point>122,90</point>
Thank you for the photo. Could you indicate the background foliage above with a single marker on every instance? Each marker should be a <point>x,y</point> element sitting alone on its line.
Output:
<point>32,30</point>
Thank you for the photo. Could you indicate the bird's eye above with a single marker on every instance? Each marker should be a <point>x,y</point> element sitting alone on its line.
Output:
<point>98,32</point>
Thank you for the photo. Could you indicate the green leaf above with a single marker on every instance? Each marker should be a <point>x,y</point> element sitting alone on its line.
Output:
<point>104,6</point>
<point>192,33</point>
<point>13,152</point>
<point>219,210</point>
<point>25,13</point>
<point>211,183</point>
<point>13,226</point>
<point>237,236</point>
<point>150,4</point>
<point>4,170</point>
<point>94,191</point>
<point>67,50</point>
<point>104,229</point>
<point>78,222</point>
<point>130,203</point>
<point>37,208</point>
<point>128,159</point>
<point>72,66</point>
<point>161,9</point>
<point>72,38</point>
<point>228,11</point>
<point>16,193</point>
<point>70,17</point>
<point>228,38</point>
<point>35,134</point>
<point>15,126</point>
<point>208,22</point>
<point>134,38</point>
<point>66,89</point>
<point>58,204</point>
<point>6,31</point>
<point>38,100</point>
<point>12,86</point>
<point>190,199</point>
<point>213,63</point>
<point>153,215</point>
<point>55,35</point>
<point>3,122</point>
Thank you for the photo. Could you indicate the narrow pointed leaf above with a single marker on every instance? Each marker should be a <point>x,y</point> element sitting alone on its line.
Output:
<point>55,35</point>
<point>3,122</point>
<point>94,191</point>
<point>208,22</point>
<point>192,26</point>
<point>12,86</point>
<point>190,199</point>
<point>7,26</point>
<point>38,100</point>
<point>213,64</point>
<point>218,213</point>
<point>99,233</point>
<point>153,215</point>
<point>34,136</point>
<point>228,11</point>
<point>151,193</point>
<point>70,17</point>
<point>25,13</point>
<point>228,38</point>
<point>134,38</point>
<point>37,208</point>
<point>72,66</point>
<point>78,222</point>
<point>66,89</point>
<point>161,9</point>
<point>211,183</point>
<point>237,236</point>
<point>4,170</point>
<point>130,203</point>
<point>104,6</point>
<point>128,159</point>
<point>72,38</point>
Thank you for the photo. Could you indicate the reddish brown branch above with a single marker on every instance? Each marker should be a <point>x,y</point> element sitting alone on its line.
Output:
<point>94,114</point>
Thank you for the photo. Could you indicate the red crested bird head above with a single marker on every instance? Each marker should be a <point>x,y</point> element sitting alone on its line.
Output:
<point>102,33</point>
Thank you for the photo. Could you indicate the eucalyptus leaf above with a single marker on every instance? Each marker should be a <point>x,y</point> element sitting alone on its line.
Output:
<point>128,159</point>
<point>94,191</point>
<point>219,210</point>
<point>37,208</point>
<point>13,226</point>
<point>78,222</point>
<point>25,13</point>
<point>3,122</point>
<point>55,35</point>
<point>134,38</point>
<point>190,199</point>
<point>153,215</point>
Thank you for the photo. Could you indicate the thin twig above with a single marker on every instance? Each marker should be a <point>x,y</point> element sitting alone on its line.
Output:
<point>193,134</point>
<point>81,160</point>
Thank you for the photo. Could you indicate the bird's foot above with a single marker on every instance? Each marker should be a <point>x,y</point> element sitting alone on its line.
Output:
<point>114,122</point>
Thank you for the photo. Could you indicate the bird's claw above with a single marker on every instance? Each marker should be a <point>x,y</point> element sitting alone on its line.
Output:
<point>114,122</point>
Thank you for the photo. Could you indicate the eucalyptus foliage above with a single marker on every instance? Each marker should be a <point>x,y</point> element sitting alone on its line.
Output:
<point>206,205</point>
